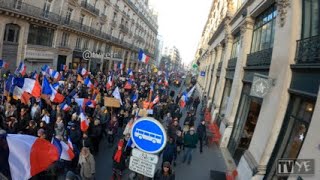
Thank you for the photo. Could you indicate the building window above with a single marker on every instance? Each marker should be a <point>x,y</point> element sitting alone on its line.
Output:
<point>105,9</point>
<point>311,18</point>
<point>78,43</point>
<point>235,46</point>
<point>86,44</point>
<point>64,39</point>
<point>11,33</point>
<point>39,35</point>
<point>263,32</point>
<point>94,48</point>
<point>82,19</point>
<point>46,8</point>
<point>68,16</point>
<point>18,4</point>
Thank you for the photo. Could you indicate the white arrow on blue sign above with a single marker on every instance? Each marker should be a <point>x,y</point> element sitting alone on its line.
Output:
<point>148,135</point>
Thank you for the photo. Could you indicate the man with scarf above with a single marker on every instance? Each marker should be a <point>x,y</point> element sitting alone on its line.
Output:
<point>119,161</point>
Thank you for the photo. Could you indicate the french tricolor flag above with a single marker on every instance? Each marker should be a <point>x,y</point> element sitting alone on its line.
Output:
<point>83,71</point>
<point>3,64</point>
<point>28,155</point>
<point>84,123</point>
<point>29,85</point>
<point>156,100</point>
<point>83,102</point>
<point>88,83</point>
<point>65,152</point>
<point>54,74</point>
<point>22,69</point>
<point>143,57</point>
<point>49,90</point>
<point>183,100</point>
<point>128,84</point>
<point>64,106</point>
<point>109,83</point>
<point>45,69</point>
<point>121,65</point>
<point>130,73</point>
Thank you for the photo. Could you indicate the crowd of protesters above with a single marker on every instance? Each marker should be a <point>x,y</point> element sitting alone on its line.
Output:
<point>45,119</point>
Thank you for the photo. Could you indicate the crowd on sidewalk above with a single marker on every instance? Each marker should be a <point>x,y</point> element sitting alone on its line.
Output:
<point>81,118</point>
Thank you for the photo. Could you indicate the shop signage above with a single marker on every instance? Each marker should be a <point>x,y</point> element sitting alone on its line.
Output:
<point>35,54</point>
<point>261,85</point>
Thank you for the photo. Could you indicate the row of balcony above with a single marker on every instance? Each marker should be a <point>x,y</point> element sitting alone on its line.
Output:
<point>90,8</point>
<point>32,11</point>
<point>307,53</point>
<point>141,15</point>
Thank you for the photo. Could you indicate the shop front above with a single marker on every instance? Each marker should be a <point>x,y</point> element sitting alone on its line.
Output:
<point>78,61</point>
<point>245,123</point>
<point>95,65</point>
<point>225,100</point>
<point>37,58</point>
<point>303,96</point>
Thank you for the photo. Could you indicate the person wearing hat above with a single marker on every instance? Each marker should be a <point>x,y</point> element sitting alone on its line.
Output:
<point>165,173</point>
<point>190,143</point>
<point>202,133</point>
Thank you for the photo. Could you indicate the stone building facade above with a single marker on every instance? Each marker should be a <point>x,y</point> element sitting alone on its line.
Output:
<point>56,32</point>
<point>278,41</point>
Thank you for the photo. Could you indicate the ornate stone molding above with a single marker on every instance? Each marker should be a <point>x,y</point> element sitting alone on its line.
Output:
<point>282,11</point>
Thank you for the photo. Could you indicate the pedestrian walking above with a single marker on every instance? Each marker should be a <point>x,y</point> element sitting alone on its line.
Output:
<point>119,161</point>
<point>87,164</point>
<point>169,153</point>
<point>202,133</point>
<point>190,143</point>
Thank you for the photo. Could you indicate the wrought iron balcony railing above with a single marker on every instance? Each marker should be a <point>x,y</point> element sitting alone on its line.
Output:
<point>260,58</point>
<point>35,12</point>
<point>29,10</point>
<point>124,28</point>
<point>232,63</point>
<point>113,23</point>
<point>308,51</point>
<point>90,7</point>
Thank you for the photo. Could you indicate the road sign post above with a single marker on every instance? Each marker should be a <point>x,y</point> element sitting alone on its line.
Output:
<point>149,136</point>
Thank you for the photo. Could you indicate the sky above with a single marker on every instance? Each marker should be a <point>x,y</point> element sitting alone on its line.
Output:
<point>181,23</point>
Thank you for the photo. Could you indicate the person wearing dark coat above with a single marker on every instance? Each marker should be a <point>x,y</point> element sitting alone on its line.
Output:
<point>201,132</point>
<point>165,173</point>
<point>119,161</point>
<point>169,153</point>
<point>95,135</point>
<point>75,135</point>
<point>86,142</point>
<point>24,119</point>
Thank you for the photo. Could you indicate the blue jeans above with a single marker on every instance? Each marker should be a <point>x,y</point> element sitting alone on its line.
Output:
<point>187,154</point>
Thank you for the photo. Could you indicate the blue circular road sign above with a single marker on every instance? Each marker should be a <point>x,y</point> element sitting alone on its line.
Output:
<point>148,135</point>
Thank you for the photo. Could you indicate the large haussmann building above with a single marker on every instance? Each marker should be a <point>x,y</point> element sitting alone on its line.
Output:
<point>261,60</point>
<point>56,32</point>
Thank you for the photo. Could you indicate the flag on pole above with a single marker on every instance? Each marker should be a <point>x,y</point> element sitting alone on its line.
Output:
<point>3,64</point>
<point>116,94</point>
<point>29,155</point>
<point>22,69</point>
<point>84,125</point>
<point>47,89</point>
<point>143,57</point>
